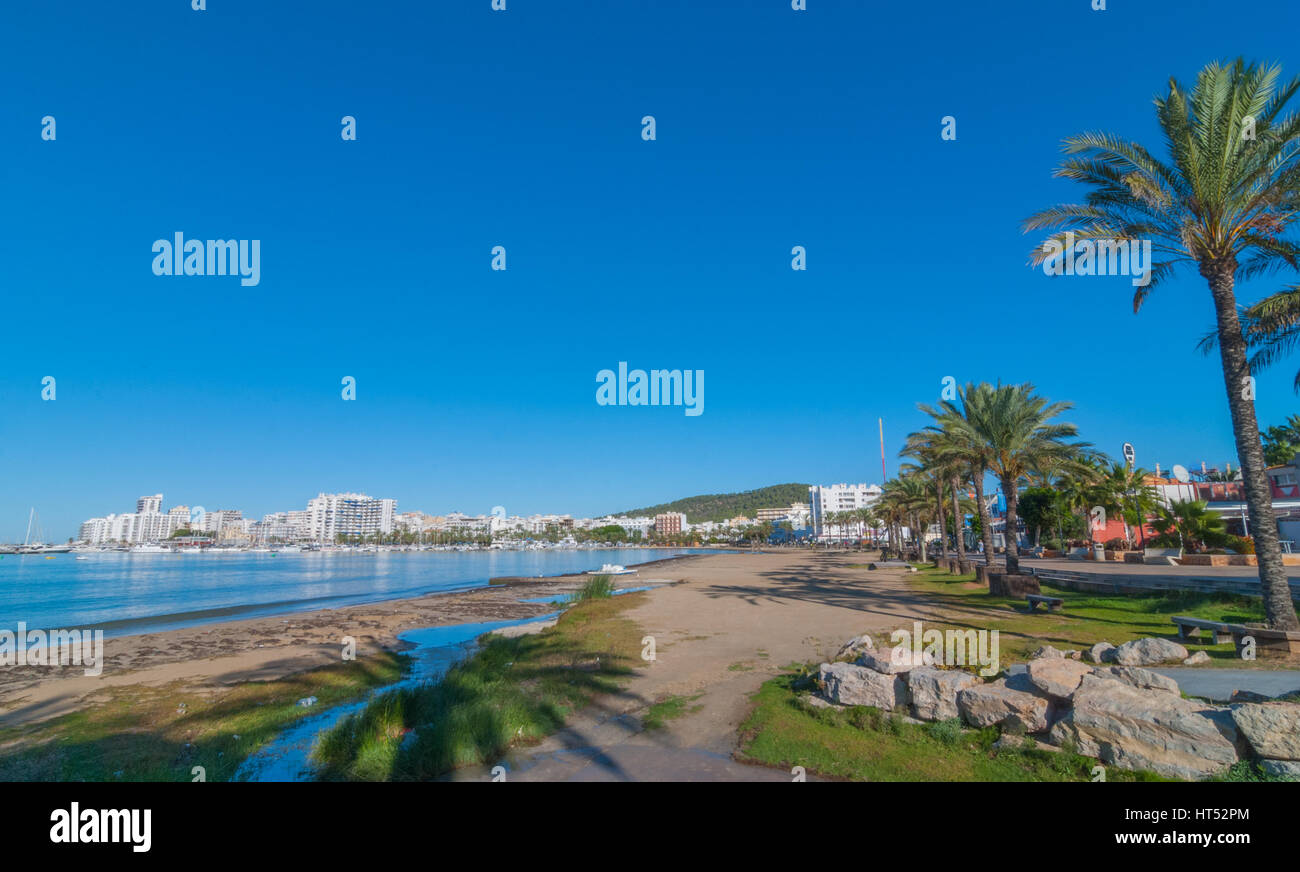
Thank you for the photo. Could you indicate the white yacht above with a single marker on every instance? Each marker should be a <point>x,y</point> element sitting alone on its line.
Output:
<point>612,569</point>
<point>150,549</point>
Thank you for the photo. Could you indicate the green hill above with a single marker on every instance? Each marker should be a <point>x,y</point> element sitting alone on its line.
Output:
<point>720,507</point>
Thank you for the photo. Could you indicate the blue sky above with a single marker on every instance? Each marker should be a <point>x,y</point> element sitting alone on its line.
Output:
<point>478,128</point>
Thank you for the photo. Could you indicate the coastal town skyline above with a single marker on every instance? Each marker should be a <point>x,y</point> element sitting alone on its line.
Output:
<point>471,380</point>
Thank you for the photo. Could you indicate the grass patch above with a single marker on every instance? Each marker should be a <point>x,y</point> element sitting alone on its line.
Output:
<point>511,692</point>
<point>657,716</point>
<point>1088,618</point>
<point>139,733</point>
<point>867,744</point>
<point>596,587</point>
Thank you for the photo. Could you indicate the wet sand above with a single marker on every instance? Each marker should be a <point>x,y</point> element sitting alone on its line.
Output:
<point>214,656</point>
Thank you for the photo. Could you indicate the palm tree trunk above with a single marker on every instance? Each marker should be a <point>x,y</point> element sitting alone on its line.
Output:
<point>986,518</point>
<point>1279,610</point>
<point>959,531</point>
<point>920,537</point>
<point>1013,547</point>
<point>943,529</point>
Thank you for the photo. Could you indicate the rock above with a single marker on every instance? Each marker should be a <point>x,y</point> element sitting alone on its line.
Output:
<point>934,691</point>
<point>1144,652</point>
<point>1045,652</point>
<point>848,684</point>
<point>985,705</point>
<point>1144,679</point>
<point>1197,659</point>
<point>1273,729</point>
<point>854,647</point>
<point>1133,728</point>
<point>819,702</point>
<point>888,660</point>
<point>1009,740</point>
<point>1058,678</point>
<point>1281,768</point>
<point>1075,655</point>
<point>1102,652</point>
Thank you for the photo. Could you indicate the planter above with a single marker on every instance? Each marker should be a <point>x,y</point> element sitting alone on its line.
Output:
<point>1203,560</point>
<point>1133,556</point>
<point>1048,554</point>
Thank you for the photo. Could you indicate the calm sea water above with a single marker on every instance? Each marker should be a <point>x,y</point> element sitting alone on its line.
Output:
<point>137,593</point>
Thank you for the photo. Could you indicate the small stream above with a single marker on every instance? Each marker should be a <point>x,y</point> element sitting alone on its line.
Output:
<point>437,649</point>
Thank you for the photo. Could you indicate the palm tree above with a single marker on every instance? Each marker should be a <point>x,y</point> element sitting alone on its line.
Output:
<point>1191,521</point>
<point>933,470</point>
<point>1015,428</point>
<point>956,443</point>
<point>1223,203</point>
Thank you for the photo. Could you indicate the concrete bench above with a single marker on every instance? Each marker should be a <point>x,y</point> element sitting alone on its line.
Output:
<point>1219,631</point>
<point>1162,556</point>
<point>1052,602</point>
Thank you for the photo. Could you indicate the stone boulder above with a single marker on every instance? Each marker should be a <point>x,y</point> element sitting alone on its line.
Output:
<point>1197,659</point>
<point>934,691</point>
<point>847,684</point>
<point>1272,729</point>
<point>889,661</point>
<point>1133,728</point>
<point>1047,651</point>
<point>1143,679</point>
<point>1145,652</point>
<point>1281,769</point>
<point>986,705</point>
<point>1057,678</point>
<point>854,647</point>
<point>1102,652</point>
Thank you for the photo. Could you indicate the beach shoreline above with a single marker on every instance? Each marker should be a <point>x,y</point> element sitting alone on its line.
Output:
<point>210,656</point>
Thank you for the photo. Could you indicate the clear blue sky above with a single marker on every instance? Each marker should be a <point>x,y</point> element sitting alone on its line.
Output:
<point>476,128</point>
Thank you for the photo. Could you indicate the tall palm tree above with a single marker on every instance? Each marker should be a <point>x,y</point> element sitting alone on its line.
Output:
<point>957,443</point>
<point>1222,204</point>
<point>933,470</point>
<point>1015,427</point>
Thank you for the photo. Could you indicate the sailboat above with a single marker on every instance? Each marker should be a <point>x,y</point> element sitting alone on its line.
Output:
<point>38,547</point>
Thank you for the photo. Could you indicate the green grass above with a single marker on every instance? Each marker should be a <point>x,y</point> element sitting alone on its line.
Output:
<point>139,733</point>
<point>1088,618</point>
<point>510,692</point>
<point>866,744</point>
<point>667,709</point>
<point>597,587</point>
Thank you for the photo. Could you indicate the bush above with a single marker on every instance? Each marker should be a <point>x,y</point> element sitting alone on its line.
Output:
<point>1240,544</point>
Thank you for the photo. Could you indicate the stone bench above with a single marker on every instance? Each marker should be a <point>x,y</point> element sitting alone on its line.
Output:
<point>1269,644</point>
<point>1188,628</point>
<point>1052,602</point>
<point>1161,556</point>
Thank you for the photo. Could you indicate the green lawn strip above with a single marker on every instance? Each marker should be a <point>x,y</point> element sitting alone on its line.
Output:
<point>866,744</point>
<point>139,733</point>
<point>512,691</point>
<point>1088,618</point>
<point>667,709</point>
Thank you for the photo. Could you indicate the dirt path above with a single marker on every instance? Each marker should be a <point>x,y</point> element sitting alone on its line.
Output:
<point>736,620</point>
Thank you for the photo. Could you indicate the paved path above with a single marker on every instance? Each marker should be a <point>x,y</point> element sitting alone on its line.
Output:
<point>1218,684</point>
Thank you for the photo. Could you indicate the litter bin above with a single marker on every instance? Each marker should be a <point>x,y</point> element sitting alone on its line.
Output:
<point>1099,552</point>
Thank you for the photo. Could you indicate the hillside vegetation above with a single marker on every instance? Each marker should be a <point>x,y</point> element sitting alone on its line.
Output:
<point>720,507</point>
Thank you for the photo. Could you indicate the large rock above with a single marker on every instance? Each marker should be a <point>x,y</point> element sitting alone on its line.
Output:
<point>888,661</point>
<point>986,705</point>
<point>1144,679</point>
<point>1197,659</point>
<point>1133,728</point>
<point>1281,768</point>
<point>1047,651</point>
<point>848,684</point>
<point>1144,652</point>
<point>1102,652</point>
<point>934,691</point>
<point>1273,729</point>
<point>854,647</point>
<point>1057,678</point>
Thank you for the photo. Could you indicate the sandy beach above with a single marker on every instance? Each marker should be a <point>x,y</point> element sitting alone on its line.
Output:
<point>213,656</point>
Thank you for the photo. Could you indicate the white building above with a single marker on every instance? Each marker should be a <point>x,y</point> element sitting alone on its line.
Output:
<point>826,500</point>
<point>350,515</point>
<point>149,505</point>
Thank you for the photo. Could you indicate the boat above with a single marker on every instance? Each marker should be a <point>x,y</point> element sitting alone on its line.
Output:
<point>612,569</point>
<point>150,549</point>
<point>83,557</point>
